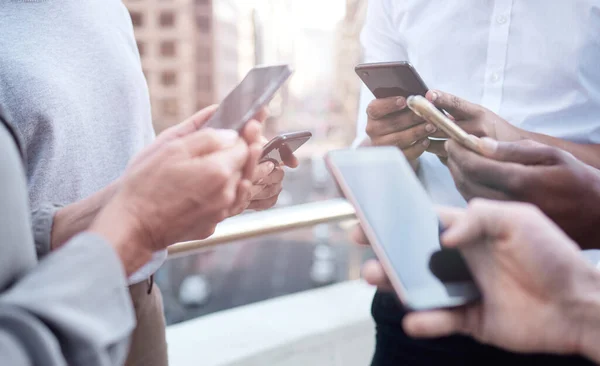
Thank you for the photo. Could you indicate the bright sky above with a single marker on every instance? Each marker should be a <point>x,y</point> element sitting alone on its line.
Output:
<point>323,14</point>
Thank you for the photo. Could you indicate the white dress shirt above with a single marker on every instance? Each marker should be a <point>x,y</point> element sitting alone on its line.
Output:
<point>535,63</point>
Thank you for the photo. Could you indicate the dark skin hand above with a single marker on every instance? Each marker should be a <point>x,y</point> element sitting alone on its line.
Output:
<point>564,188</point>
<point>481,122</point>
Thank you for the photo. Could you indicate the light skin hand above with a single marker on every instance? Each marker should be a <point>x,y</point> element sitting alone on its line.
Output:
<point>77,217</point>
<point>179,193</point>
<point>538,294</point>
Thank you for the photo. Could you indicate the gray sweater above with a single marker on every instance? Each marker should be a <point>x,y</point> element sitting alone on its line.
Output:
<point>72,307</point>
<point>71,83</point>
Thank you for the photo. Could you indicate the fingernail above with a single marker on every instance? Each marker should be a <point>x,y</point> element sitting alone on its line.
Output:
<point>434,96</point>
<point>426,142</point>
<point>430,128</point>
<point>270,166</point>
<point>401,102</point>
<point>488,144</point>
<point>446,145</point>
<point>228,137</point>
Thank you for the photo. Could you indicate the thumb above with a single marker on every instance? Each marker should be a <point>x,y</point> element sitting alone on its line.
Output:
<point>524,152</point>
<point>459,108</point>
<point>190,125</point>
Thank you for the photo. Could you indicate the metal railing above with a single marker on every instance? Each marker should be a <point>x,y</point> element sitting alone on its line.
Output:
<point>269,222</point>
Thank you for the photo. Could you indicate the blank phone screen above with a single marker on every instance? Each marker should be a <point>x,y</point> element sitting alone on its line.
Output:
<point>253,93</point>
<point>384,188</point>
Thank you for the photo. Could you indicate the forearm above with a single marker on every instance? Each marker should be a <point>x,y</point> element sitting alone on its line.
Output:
<point>77,217</point>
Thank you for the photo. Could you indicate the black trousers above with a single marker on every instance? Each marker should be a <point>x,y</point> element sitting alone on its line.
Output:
<point>395,348</point>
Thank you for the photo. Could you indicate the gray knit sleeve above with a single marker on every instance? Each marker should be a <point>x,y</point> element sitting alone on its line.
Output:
<point>42,219</point>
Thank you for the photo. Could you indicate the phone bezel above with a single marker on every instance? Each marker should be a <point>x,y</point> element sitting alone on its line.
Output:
<point>423,299</point>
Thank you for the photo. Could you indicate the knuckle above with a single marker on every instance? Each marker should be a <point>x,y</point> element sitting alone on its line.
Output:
<point>456,102</point>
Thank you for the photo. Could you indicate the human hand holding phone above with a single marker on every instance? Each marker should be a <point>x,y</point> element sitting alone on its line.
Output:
<point>389,121</point>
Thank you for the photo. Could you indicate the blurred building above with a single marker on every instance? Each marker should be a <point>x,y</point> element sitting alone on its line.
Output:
<point>190,52</point>
<point>349,54</point>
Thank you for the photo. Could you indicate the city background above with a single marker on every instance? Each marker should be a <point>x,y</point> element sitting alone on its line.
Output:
<point>193,53</point>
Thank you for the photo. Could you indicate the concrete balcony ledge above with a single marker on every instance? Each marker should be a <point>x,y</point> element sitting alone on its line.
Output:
<point>327,326</point>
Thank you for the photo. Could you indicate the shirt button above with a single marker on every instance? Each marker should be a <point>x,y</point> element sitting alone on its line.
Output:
<point>494,77</point>
<point>501,19</point>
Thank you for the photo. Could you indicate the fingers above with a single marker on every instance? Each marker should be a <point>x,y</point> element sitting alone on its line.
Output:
<point>470,187</point>
<point>208,140</point>
<point>358,236</point>
<point>262,171</point>
<point>242,197</point>
<point>434,324</point>
<point>459,108</point>
<point>373,273</point>
<point>261,205</point>
<point>287,156</point>
<point>192,124</point>
<point>449,215</point>
<point>417,149</point>
<point>406,138</point>
<point>267,192</point>
<point>262,115</point>
<point>483,220</point>
<point>524,152</point>
<point>275,177</point>
<point>252,133</point>
<point>254,153</point>
<point>438,147</point>
<point>467,165</point>
<point>223,164</point>
<point>380,108</point>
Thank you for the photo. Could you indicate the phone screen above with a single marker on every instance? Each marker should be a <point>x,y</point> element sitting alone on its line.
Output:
<point>254,92</point>
<point>391,202</point>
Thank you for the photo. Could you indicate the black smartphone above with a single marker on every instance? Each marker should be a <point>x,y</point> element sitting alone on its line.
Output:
<point>254,92</point>
<point>391,79</point>
<point>404,230</point>
<point>283,145</point>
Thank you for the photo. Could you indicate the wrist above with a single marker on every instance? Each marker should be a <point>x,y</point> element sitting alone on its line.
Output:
<point>125,234</point>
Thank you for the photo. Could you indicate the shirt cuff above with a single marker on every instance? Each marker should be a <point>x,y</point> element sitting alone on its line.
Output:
<point>42,219</point>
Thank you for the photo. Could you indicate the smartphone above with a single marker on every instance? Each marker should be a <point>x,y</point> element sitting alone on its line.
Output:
<point>391,79</point>
<point>426,110</point>
<point>400,221</point>
<point>284,144</point>
<point>253,93</point>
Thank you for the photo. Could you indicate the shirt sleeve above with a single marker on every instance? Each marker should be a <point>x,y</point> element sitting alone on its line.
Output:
<point>71,309</point>
<point>381,42</point>
<point>42,219</point>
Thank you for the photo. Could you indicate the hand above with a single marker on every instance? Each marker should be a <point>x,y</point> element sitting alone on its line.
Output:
<point>565,189</point>
<point>179,192</point>
<point>267,183</point>
<point>391,123</point>
<point>537,291</point>
<point>474,119</point>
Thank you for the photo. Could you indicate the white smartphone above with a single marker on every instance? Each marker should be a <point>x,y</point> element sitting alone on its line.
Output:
<point>253,93</point>
<point>400,221</point>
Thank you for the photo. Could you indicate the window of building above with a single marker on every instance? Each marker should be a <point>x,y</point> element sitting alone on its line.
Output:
<point>170,108</point>
<point>203,23</point>
<point>169,78</point>
<point>167,19</point>
<point>141,47</point>
<point>137,19</point>
<point>167,48</point>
